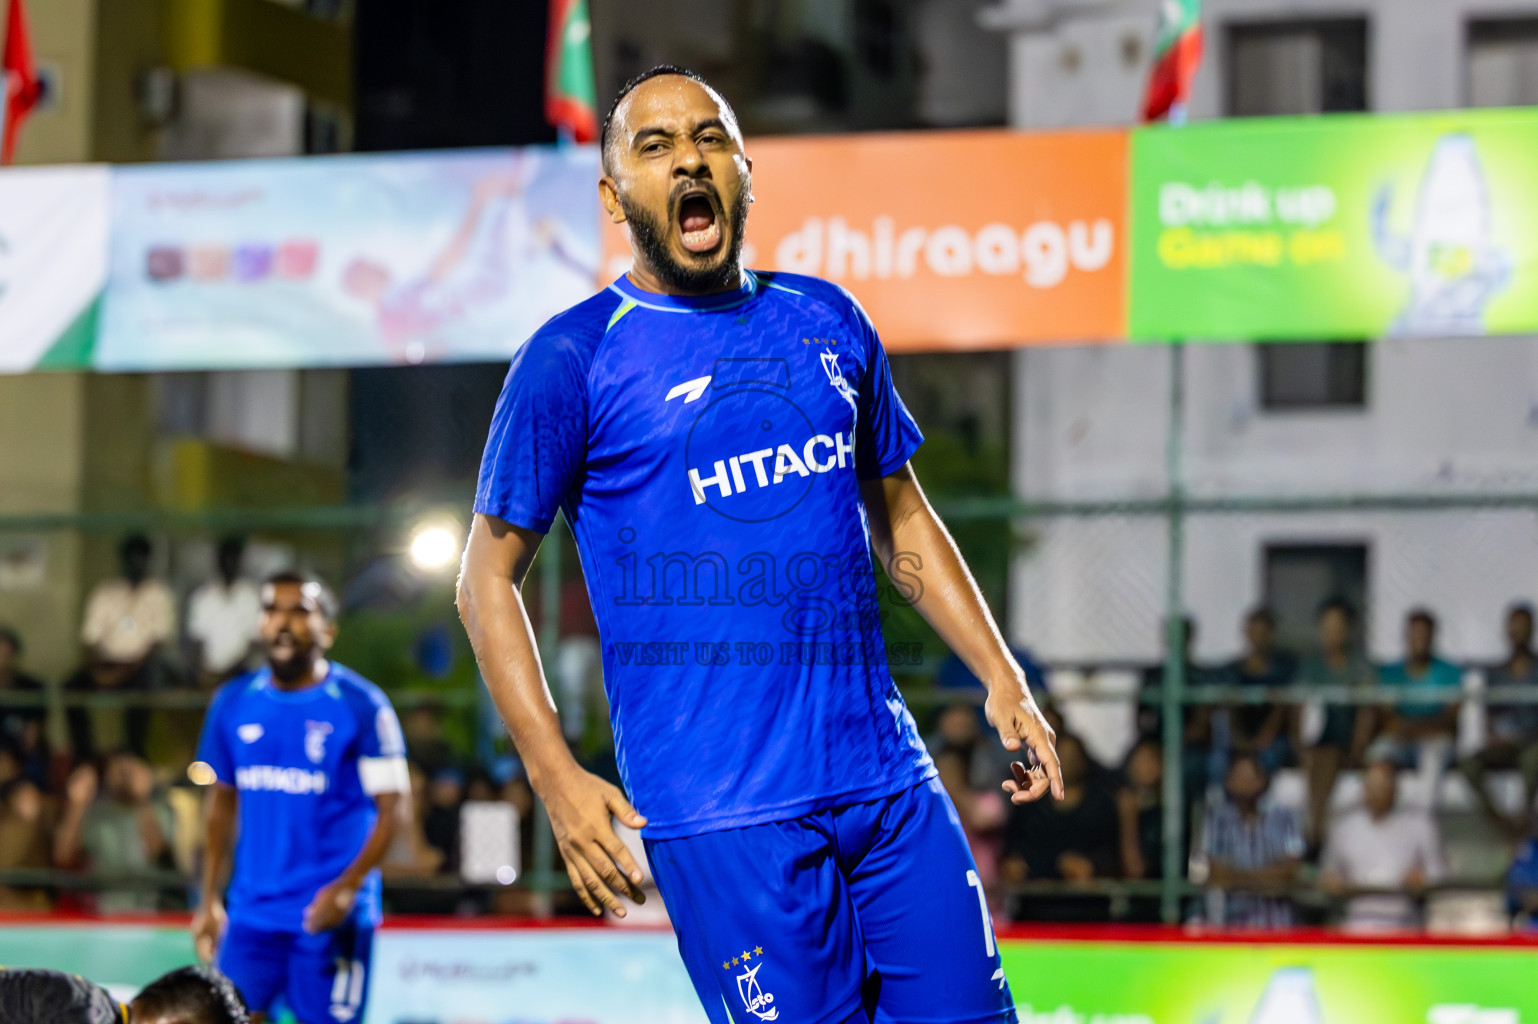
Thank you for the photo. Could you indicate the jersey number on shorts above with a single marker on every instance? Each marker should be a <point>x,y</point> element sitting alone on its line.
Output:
<point>347,989</point>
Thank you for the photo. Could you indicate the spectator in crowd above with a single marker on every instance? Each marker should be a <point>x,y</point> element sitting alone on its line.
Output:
<point>1384,854</point>
<point>959,749</point>
<point>1258,728</point>
<point>1069,840</point>
<point>222,618</point>
<point>22,726</point>
<point>445,794</point>
<point>1338,736</point>
<point>579,662</point>
<point>1522,886</point>
<point>411,856</point>
<point>1196,722</point>
<point>422,726</point>
<point>114,824</point>
<point>1140,812</point>
<point>1416,733</point>
<point>1252,852</point>
<point>128,619</point>
<point>1140,820</point>
<point>1511,730</point>
<point>24,831</point>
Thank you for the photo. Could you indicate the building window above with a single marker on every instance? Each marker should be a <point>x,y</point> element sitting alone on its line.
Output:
<point>1304,375</point>
<point>1297,67</point>
<point>1503,62</point>
<point>1300,577</point>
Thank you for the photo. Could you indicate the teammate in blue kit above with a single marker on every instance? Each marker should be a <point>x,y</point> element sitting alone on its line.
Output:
<point>728,447</point>
<point>310,767</point>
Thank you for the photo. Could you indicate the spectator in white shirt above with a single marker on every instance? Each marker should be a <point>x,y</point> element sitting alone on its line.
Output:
<point>1382,856</point>
<point>128,620</point>
<point>222,617</point>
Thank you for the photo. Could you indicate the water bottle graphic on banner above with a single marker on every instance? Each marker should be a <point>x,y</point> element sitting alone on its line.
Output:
<point>1289,998</point>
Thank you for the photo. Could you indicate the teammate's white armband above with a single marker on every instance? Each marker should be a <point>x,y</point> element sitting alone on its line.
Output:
<point>384,775</point>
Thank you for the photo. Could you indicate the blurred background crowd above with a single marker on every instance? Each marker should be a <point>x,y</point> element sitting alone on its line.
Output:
<point>1317,786</point>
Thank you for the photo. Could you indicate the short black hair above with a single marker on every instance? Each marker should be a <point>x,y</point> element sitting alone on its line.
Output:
<point>631,86</point>
<point>1337,604</point>
<point>325,597</point>
<point>1422,615</point>
<point>8,635</point>
<point>1515,608</point>
<point>200,994</point>
<point>135,543</point>
<point>1263,613</point>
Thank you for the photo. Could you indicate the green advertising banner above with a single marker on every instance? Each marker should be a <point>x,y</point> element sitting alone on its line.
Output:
<point>499,975</point>
<point>1232,983</point>
<point>1346,227</point>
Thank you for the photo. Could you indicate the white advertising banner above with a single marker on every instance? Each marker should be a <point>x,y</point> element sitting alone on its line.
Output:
<point>346,261</point>
<point>54,225</point>
<point>529,976</point>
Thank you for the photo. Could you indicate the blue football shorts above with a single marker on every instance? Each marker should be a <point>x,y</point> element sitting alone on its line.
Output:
<point>871,911</point>
<point>322,978</point>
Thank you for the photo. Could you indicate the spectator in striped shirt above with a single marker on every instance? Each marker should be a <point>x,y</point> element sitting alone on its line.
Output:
<point>1252,852</point>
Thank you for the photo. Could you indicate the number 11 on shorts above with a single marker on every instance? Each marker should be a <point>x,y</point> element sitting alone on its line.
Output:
<point>982,905</point>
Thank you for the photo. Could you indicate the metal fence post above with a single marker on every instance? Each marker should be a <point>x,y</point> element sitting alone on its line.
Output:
<point>549,557</point>
<point>1173,691</point>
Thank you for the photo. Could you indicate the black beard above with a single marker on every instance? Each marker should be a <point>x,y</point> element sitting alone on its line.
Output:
<point>294,668</point>
<point>650,238</point>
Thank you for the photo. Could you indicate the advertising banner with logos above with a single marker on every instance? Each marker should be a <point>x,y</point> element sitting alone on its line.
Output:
<point>950,240</point>
<point>346,261</point>
<point>494,974</point>
<point>1337,227</point>
<point>1348,227</point>
<point>53,264</point>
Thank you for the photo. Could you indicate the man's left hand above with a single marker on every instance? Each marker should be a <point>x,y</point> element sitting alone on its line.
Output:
<point>330,906</point>
<point>1013,712</point>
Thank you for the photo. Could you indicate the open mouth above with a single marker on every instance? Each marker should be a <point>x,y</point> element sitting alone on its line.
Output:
<point>699,226</point>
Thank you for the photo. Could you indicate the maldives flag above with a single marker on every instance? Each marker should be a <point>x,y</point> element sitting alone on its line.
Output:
<point>1177,52</point>
<point>570,95</point>
<point>22,89</point>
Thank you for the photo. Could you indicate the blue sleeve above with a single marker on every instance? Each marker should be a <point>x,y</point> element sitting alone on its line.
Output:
<point>213,750</point>
<point>885,435</point>
<point>379,730</point>
<point>538,436</point>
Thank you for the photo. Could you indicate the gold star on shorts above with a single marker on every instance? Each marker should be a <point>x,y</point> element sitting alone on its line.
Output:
<point>758,950</point>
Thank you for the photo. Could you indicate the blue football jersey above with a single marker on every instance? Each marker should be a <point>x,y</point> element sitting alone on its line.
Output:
<point>304,812</point>
<point>708,454</point>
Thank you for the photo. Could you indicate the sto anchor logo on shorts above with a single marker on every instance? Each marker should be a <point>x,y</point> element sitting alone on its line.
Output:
<point>754,999</point>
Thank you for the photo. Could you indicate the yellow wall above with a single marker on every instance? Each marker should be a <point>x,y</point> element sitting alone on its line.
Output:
<point>41,470</point>
<point>63,35</point>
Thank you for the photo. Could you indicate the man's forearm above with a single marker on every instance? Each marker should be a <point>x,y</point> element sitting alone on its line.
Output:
<point>216,848</point>
<point>503,641</point>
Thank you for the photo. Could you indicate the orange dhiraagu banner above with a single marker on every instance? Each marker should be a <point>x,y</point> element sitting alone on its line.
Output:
<point>951,240</point>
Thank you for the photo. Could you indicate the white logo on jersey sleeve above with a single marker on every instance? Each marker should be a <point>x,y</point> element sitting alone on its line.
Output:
<point>392,743</point>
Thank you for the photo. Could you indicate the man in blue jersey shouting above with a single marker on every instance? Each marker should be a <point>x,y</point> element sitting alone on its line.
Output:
<point>728,447</point>
<point>309,767</point>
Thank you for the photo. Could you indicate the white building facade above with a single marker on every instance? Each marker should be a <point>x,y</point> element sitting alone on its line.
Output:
<point>1444,419</point>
